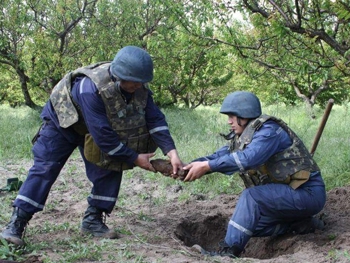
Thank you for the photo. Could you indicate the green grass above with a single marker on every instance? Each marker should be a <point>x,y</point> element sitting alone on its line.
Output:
<point>18,126</point>
<point>196,133</point>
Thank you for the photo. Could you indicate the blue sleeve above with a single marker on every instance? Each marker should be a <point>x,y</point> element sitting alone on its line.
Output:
<point>158,127</point>
<point>93,109</point>
<point>267,141</point>
<point>218,153</point>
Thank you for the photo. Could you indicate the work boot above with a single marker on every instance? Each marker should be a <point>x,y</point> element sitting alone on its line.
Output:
<point>306,226</point>
<point>94,224</point>
<point>14,230</point>
<point>224,250</point>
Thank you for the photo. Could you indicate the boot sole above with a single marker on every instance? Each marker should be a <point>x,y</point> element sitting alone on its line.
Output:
<point>109,235</point>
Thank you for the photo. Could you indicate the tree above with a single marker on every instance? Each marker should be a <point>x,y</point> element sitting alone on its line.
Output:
<point>59,43</point>
<point>39,39</point>
<point>191,70</point>
<point>293,49</point>
<point>61,35</point>
<point>301,44</point>
<point>15,27</point>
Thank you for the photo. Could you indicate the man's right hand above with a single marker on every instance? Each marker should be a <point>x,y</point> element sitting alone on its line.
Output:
<point>196,170</point>
<point>143,161</point>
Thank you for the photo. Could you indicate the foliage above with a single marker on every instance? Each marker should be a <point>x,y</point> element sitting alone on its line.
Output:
<point>192,70</point>
<point>291,49</point>
<point>300,46</point>
<point>15,27</point>
<point>285,51</point>
<point>64,35</point>
<point>60,31</point>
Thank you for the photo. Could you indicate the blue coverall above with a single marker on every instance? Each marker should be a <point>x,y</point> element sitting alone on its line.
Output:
<point>55,144</point>
<point>266,210</point>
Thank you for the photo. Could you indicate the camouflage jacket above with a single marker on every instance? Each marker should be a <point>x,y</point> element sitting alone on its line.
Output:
<point>291,166</point>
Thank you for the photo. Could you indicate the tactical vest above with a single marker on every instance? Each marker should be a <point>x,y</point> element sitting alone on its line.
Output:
<point>291,166</point>
<point>127,119</point>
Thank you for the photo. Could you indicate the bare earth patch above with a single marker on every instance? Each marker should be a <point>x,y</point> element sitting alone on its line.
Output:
<point>165,231</point>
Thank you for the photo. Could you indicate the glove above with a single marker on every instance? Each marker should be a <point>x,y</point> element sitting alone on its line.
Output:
<point>165,168</point>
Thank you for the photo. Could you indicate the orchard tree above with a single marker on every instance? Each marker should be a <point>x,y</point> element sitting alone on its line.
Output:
<point>303,45</point>
<point>188,70</point>
<point>60,41</point>
<point>40,41</point>
<point>191,71</point>
<point>16,27</point>
<point>43,40</point>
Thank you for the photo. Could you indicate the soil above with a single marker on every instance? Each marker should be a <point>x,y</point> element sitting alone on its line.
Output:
<point>173,226</point>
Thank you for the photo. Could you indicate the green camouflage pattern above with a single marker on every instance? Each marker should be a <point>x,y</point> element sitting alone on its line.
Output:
<point>281,167</point>
<point>61,99</point>
<point>128,120</point>
<point>63,104</point>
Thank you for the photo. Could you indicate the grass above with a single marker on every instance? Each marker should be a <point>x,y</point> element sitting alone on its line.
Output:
<point>18,126</point>
<point>196,133</point>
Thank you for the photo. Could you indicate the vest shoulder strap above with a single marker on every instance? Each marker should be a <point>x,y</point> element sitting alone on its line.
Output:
<point>253,126</point>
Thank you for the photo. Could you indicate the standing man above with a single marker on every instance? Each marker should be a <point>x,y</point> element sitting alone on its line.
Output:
<point>107,111</point>
<point>284,187</point>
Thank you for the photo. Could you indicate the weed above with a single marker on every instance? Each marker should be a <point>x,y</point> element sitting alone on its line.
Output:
<point>336,254</point>
<point>9,251</point>
<point>145,217</point>
<point>332,237</point>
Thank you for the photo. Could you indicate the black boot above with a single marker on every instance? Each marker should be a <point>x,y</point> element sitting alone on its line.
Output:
<point>224,251</point>
<point>94,224</point>
<point>306,226</point>
<point>14,230</point>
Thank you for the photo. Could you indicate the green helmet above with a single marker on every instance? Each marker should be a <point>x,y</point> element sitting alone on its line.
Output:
<point>132,64</point>
<point>242,104</point>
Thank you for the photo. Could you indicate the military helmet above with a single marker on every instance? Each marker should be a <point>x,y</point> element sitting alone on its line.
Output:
<point>242,104</point>
<point>132,63</point>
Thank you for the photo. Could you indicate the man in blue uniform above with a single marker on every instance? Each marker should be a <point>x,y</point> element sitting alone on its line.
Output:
<point>107,111</point>
<point>284,187</point>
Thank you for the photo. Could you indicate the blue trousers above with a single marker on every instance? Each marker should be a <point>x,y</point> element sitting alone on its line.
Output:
<point>269,210</point>
<point>51,150</point>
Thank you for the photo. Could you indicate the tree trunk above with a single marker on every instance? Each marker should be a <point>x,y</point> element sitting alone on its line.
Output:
<point>23,78</point>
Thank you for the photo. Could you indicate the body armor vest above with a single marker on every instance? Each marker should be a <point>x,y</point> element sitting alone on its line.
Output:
<point>291,166</point>
<point>127,119</point>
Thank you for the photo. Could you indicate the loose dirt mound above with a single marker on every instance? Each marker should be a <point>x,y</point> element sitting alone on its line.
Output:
<point>204,222</point>
<point>165,231</point>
